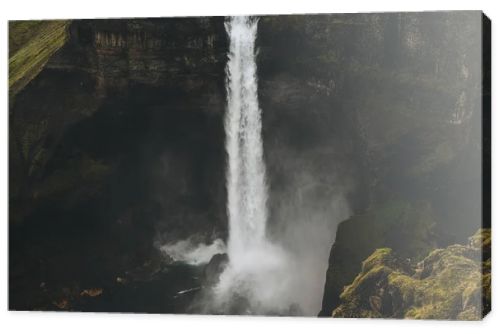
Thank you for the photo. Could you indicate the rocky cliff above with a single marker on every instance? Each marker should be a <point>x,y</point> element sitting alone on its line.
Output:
<point>118,136</point>
<point>104,68</point>
<point>116,133</point>
<point>450,283</point>
<point>414,111</point>
<point>385,110</point>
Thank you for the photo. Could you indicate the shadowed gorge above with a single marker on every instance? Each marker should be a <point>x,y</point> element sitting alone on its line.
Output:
<point>147,157</point>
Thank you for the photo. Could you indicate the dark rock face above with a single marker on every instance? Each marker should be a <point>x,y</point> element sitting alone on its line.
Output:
<point>384,109</point>
<point>120,137</point>
<point>393,112</point>
<point>214,268</point>
<point>183,54</point>
<point>418,118</point>
<point>408,229</point>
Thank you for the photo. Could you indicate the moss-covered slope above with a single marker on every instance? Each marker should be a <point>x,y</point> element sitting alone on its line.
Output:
<point>450,283</point>
<point>31,44</point>
<point>403,226</point>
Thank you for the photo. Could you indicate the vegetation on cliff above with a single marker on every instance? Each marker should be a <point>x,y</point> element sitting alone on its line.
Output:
<point>449,283</point>
<point>119,136</point>
<point>421,150</point>
<point>406,227</point>
<point>109,142</point>
<point>31,44</point>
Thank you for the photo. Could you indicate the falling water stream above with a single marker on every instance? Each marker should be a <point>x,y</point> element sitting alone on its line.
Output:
<point>246,176</point>
<point>253,259</point>
<point>266,273</point>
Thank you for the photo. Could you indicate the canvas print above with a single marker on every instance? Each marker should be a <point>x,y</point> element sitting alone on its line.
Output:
<point>331,165</point>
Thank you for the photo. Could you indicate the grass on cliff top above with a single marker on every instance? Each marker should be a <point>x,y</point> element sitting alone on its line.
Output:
<point>31,44</point>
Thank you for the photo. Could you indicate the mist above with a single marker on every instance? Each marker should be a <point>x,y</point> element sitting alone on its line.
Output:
<point>279,234</point>
<point>190,252</point>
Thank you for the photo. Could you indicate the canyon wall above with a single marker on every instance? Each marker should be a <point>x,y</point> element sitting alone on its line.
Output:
<point>116,146</point>
<point>369,119</point>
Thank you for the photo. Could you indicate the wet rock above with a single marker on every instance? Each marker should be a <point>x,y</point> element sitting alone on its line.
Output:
<point>214,268</point>
<point>92,292</point>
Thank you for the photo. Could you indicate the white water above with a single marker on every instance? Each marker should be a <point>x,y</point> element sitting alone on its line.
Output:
<point>246,177</point>
<point>283,275</point>
<point>190,252</point>
<point>255,264</point>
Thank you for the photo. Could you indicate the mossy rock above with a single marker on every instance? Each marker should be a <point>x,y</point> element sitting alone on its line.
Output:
<point>481,239</point>
<point>31,44</point>
<point>449,283</point>
<point>405,227</point>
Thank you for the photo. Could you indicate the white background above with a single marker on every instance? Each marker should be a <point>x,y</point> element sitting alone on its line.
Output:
<point>116,323</point>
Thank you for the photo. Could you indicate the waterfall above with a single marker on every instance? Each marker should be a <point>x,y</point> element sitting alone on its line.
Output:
<point>246,177</point>
<point>280,273</point>
<point>254,262</point>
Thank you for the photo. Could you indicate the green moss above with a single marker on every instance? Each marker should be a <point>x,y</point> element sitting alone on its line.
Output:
<point>364,281</point>
<point>481,239</point>
<point>406,285</point>
<point>20,32</point>
<point>405,227</point>
<point>448,284</point>
<point>31,44</point>
<point>378,258</point>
